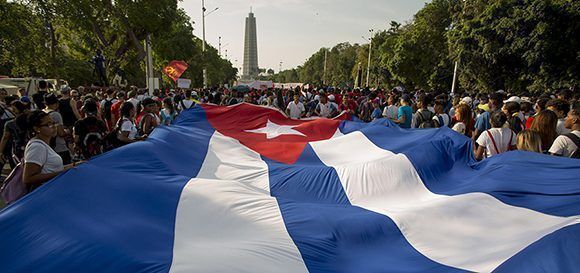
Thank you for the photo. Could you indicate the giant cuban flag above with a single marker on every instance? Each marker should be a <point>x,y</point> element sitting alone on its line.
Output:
<point>244,189</point>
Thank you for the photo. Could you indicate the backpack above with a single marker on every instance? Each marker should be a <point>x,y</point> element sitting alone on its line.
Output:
<point>183,107</point>
<point>425,122</point>
<point>140,122</point>
<point>93,143</point>
<point>106,111</point>
<point>13,187</point>
<point>112,138</point>
<point>576,140</point>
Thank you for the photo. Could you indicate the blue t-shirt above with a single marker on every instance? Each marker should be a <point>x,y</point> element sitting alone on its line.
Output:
<point>377,114</point>
<point>406,111</point>
<point>482,122</point>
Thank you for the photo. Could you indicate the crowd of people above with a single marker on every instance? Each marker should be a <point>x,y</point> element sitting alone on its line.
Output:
<point>51,132</point>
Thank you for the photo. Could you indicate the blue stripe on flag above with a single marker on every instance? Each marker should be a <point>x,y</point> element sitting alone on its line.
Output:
<point>331,234</point>
<point>99,223</point>
<point>445,163</point>
<point>559,251</point>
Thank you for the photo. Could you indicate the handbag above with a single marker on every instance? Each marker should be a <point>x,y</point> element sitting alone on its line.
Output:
<point>13,187</point>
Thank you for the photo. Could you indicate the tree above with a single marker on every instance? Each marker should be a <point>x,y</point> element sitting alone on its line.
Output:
<point>21,57</point>
<point>518,45</point>
<point>420,57</point>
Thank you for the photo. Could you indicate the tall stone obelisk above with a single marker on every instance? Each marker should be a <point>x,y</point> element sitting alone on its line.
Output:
<point>251,69</point>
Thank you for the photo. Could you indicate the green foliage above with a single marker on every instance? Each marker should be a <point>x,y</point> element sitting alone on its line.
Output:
<point>63,35</point>
<point>516,45</point>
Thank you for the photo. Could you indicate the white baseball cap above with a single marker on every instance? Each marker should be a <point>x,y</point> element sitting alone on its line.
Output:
<point>514,99</point>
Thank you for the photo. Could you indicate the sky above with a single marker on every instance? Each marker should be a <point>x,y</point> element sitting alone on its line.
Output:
<point>290,31</point>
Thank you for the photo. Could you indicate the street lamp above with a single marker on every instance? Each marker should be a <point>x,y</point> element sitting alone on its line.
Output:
<point>203,15</point>
<point>369,63</point>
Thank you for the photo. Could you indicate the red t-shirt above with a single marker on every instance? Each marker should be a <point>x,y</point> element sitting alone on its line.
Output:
<point>116,110</point>
<point>529,122</point>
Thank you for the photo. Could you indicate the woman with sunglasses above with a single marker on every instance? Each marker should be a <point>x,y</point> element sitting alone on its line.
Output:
<point>41,162</point>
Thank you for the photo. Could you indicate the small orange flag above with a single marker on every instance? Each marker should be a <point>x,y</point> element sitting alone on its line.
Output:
<point>174,69</point>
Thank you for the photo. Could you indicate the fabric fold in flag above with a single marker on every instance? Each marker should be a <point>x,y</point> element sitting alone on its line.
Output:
<point>244,189</point>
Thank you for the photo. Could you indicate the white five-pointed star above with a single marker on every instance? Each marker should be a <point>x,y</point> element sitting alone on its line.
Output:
<point>273,130</point>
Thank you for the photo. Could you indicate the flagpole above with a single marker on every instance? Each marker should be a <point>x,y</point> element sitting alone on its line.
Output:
<point>203,44</point>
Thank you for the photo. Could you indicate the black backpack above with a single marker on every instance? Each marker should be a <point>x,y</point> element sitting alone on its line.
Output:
<point>106,111</point>
<point>112,138</point>
<point>425,122</point>
<point>576,140</point>
<point>93,142</point>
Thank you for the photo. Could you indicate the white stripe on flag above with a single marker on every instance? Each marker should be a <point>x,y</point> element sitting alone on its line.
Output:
<point>227,159</point>
<point>473,231</point>
<point>227,226</point>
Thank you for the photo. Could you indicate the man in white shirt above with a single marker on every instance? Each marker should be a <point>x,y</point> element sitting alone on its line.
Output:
<point>441,118</point>
<point>133,98</point>
<point>561,108</point>
<point>568,144</point>
<point>324,108</point>
<point>295,109</point>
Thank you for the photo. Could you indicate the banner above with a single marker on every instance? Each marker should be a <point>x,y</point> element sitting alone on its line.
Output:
<point>183,83</point>
<point>175,69</point>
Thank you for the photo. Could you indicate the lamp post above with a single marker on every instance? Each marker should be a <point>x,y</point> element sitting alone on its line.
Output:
<point>369,63</point>
<point>324,71</point>
<point>203,15</point>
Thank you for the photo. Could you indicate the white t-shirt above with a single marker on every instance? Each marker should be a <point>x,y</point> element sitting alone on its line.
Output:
<point>324,109</point>
<point>128,126</point>
<point>444,117</point>
<point>296,110</point>
<point>113,101</point>
<point>391,112</point>
<point>41,154</point>
<point>502,138</point>
<point>564,146</point>
<point>561,128</point>
<point>459,127</point>
<point>7,114</point>
<point>134,101</point>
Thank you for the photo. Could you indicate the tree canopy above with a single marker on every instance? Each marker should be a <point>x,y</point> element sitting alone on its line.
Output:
<point>515,45</point>
<point>57,39</point>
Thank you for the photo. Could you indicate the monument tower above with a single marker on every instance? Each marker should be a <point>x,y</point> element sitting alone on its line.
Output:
<point>251,69</point>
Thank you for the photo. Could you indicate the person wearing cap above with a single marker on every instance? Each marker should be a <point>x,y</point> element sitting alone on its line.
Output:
<point>60,146</point>
<point>325,108</point>
<point>405,113</point>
